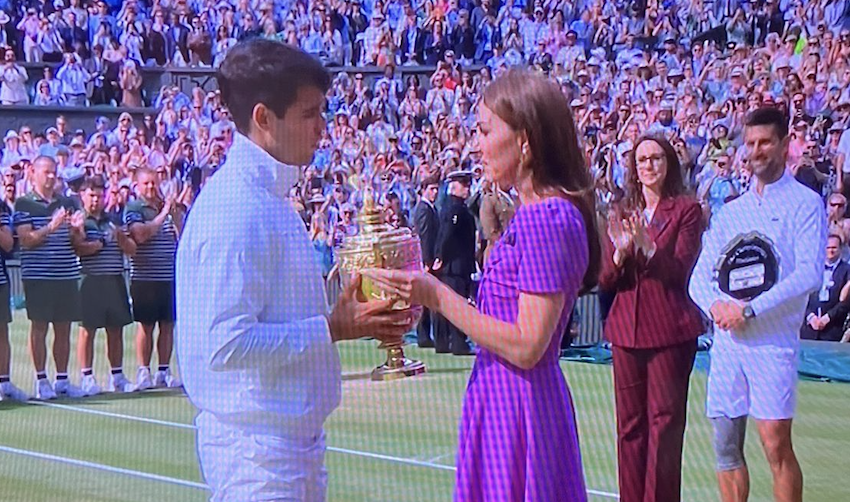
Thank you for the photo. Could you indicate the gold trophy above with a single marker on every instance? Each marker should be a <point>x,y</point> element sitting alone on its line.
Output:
<point>379,245</point>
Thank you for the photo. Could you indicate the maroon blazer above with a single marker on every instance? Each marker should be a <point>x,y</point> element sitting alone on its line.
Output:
<point>652,308</point>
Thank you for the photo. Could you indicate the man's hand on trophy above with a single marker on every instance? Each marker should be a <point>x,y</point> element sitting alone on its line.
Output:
<point>414,287</point>
<point>354,318</point>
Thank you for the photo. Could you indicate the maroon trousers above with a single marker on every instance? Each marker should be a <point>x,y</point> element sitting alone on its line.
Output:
<point>651,391</point>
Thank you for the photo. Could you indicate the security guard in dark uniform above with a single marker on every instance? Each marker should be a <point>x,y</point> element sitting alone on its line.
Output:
<point>455,257</point>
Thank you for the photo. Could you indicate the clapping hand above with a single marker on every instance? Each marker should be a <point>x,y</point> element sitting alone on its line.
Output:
<point>622,239</point>
<point>78,220</point>
<point>640,235</point>
<point>60,216</point>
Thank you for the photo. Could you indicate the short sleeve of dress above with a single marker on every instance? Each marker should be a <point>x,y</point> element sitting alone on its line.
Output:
<point>552,246</point>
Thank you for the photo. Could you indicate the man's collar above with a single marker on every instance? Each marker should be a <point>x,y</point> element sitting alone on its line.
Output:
<point>35,195</point>
<point>98,218</point>
<point>776,185</point>
<point>260,167</point>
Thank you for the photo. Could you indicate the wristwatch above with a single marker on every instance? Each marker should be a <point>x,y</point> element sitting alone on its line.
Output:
<point>749,313</point>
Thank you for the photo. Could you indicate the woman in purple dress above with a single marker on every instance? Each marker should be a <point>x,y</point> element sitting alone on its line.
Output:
<point>518,436</point>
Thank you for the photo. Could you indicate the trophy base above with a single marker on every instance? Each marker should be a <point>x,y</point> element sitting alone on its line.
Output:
<point>397,367</point>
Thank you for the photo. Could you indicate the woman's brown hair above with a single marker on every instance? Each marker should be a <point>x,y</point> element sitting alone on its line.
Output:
<point>673,184</point>
<point>530,103</point>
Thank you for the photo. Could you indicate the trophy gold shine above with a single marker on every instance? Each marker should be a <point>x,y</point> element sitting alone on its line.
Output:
<point>379,245</point>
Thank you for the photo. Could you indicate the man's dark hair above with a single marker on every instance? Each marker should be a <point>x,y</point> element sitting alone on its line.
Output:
<point>430,180</point>
<point>268,72</point>
<point>769,116</point>
<point>92,182</point>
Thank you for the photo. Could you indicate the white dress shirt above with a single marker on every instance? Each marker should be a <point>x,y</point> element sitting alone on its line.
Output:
<point>793,217</point>
<point>253,340</point>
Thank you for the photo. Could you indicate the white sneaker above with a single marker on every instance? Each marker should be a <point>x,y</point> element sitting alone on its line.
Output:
<point>10,392</point>
<point>143,379</point>
<point>64,388</point>
<point>43,390</point>
<point>119,383</point>
<point>89,385</point>
<point>166,379</point>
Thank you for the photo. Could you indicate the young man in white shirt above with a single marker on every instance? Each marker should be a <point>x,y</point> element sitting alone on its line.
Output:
<point>256,342</point>
<point>754,355</point>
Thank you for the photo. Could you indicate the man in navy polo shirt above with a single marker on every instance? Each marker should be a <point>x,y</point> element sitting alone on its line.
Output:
<point>103,291</point>
<point>153,222</point>
<point>50,271</point>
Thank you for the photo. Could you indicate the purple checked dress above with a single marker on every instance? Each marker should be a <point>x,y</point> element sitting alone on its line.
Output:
<point>518,437</point>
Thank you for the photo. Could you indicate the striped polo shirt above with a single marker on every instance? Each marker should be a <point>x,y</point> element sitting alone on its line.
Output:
<point>110,259</point>
<point>5,221</point>
<point>54,259</point>
<point>154,260</point>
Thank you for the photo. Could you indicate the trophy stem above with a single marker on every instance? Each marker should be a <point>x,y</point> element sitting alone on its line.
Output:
<point>397,366</point>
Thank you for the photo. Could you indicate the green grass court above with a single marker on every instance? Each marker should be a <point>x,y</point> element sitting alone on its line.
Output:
<point>391,441</point>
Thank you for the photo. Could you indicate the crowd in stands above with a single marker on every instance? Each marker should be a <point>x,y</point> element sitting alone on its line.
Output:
<point>689,70</point>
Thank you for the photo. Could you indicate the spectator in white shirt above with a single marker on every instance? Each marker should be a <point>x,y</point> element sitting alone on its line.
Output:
<point>256,344</point>
<point>29,26</point>
<point>74,80</point>
<point>13,79</point>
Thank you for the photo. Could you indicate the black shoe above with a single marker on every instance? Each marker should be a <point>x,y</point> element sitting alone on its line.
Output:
<point>466,351</point>
<point>443,351</point>
<point>426,344</point>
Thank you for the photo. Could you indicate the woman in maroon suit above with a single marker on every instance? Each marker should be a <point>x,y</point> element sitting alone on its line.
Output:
<point>654,240</point>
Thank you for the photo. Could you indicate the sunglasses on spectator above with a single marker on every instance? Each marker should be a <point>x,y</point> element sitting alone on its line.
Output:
<point>836,204</point>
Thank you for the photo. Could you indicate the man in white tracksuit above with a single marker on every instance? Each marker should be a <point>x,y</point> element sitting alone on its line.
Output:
<point>256,340</point>
<point>754,354</point>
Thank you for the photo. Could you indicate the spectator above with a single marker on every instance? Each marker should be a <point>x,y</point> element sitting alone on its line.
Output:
<point>130,81</point>
<point>827,308</point>
<point>13,80</point>
<point>31,27</point>
<point>200,44</point>
<point>74,78</point>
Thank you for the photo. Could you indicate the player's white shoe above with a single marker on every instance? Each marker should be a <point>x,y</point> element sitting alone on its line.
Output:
<point>65,388</point>
<point>89,385</point>
<point>166,379</point>
<point>43,390</point>
<point>143,379</point>
<point>119,383</point>
<point>9,392</point>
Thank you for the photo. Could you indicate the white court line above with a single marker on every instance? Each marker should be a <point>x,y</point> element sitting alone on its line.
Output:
<point>439,457</point>
<point>113,415</point>
<point>101,467</point>
<point>399,460</point>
